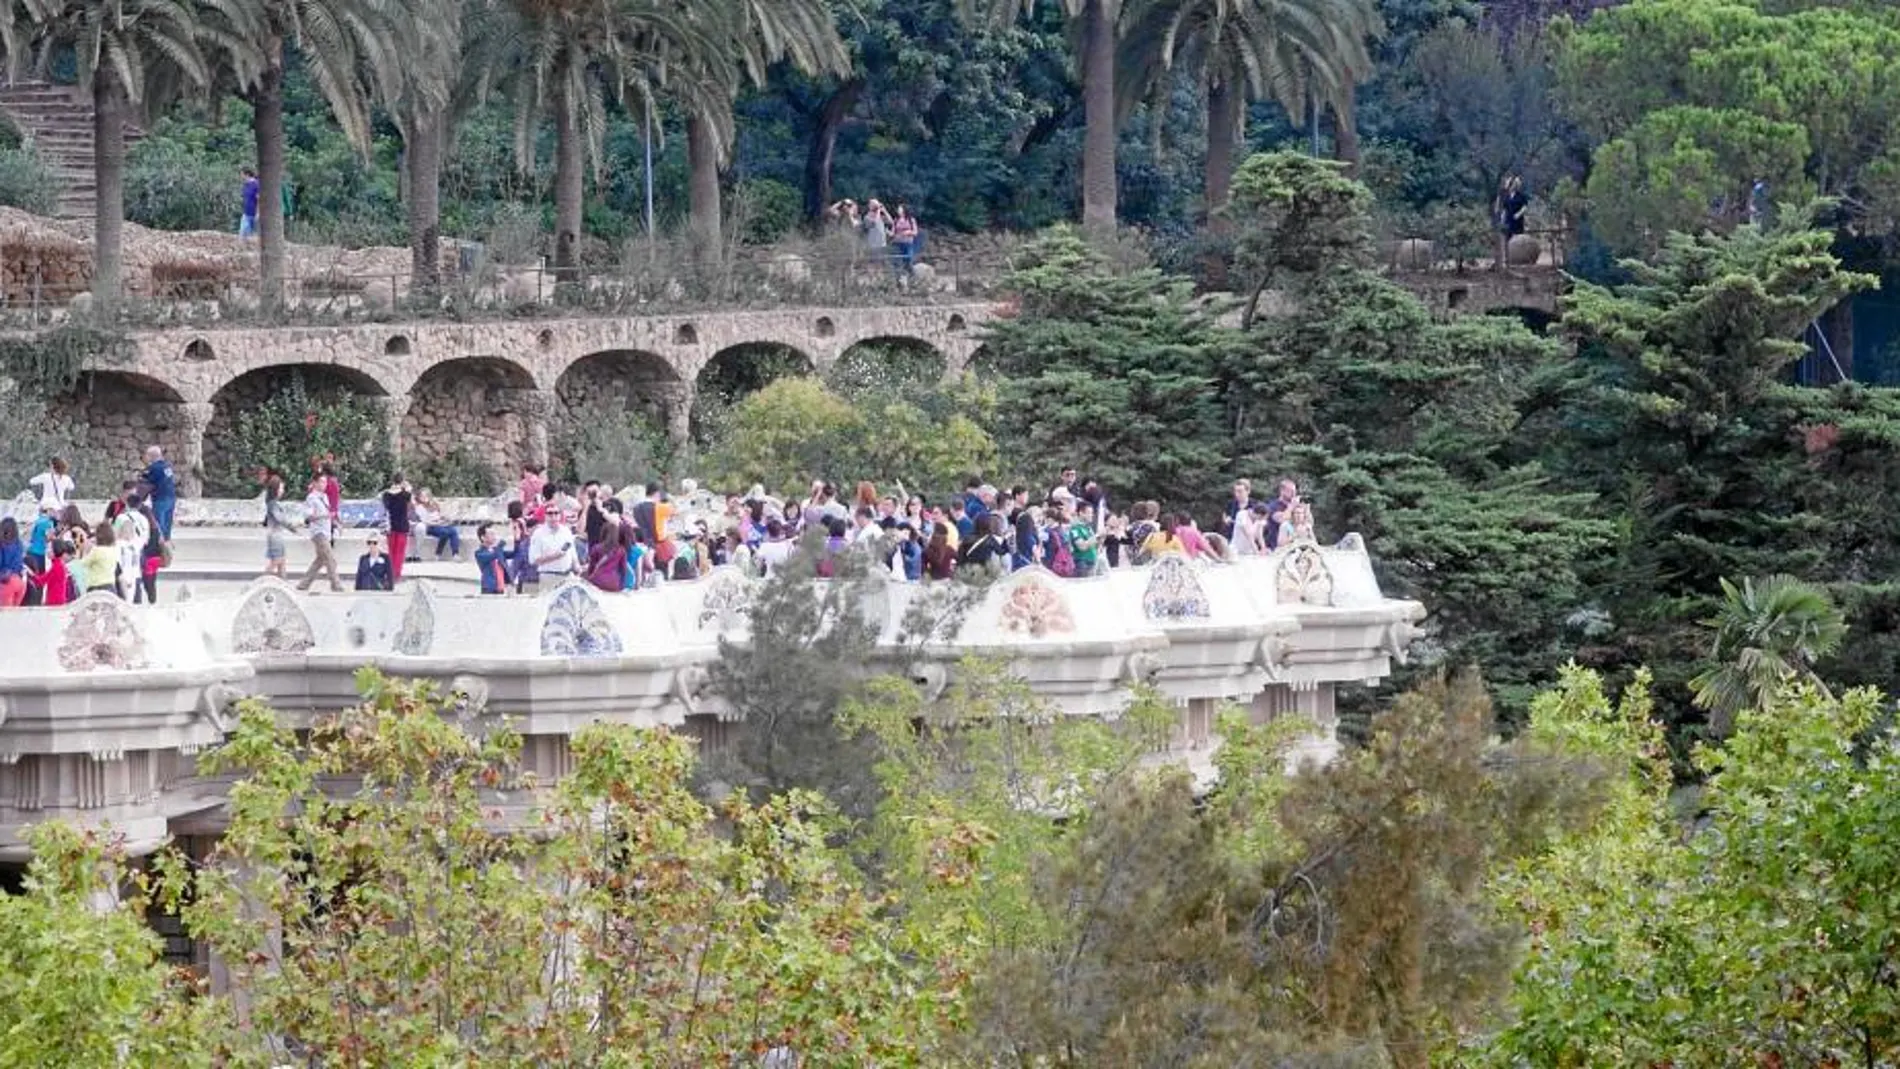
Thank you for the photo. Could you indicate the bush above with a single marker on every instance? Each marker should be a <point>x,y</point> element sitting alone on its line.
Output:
<point>624,451</point>
<point>766,210</point>
<point>170,186</point>
<point>293,429</point>
<point>457,473</point>
<point>26,182</point>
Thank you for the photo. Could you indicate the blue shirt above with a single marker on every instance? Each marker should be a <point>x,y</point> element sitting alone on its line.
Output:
<point>42,530</point>
<point>158,476</point>
<point>494,575</point>
<point>12,558</point>
<point>250,196</point>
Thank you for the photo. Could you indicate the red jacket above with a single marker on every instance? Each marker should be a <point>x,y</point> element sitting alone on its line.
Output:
<point>53,581</point>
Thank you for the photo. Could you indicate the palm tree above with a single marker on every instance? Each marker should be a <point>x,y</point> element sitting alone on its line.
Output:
<point>341,43</point>
<point>1094,23</point>
<point>1288,51</point>
<point>767,31</point>
<point>1766,636</point>
<point>440,78</point>
<point>566,58</point>
<point>132,56</point>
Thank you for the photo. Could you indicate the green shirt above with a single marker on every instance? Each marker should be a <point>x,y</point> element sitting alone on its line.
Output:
<point>1082,545</point>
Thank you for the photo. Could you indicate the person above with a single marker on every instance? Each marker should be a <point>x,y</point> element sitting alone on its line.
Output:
<point>1237,505</point>
<point>1144,522</point>
<point>12,565</point>
<point>332,494</point>
<point>320,525</point>
<point>1163,540</point>
<point>1298,526</point>
<point>396,502</point>
<point>876,226</point>
<point>904,238</point>
<point>989,548</point>
<point>907,555</point>
<point>97,566</point>
<point>1116,547</point>
<point>1083,544</point>
<point>551,548</point>
<point>490,560</point>
<point>533,478</point>
<point>1028,547</point>
<point>1509,209</point>
<point>152,556</point>
<point>607,558</point>
<point>55,486</point>
<point>940,557</point>
<point>52,585</point>
<point>1250,530</point>
<point>1192,541</point>
<point>161,489</point>
<point>376,570</point>
<point>130,531</point>
<point>1278,508</point>
<point>776,549</point>
<point>864,528</point>
<point>247,222</point>
<point>276,522</point>
<point>448,537</point>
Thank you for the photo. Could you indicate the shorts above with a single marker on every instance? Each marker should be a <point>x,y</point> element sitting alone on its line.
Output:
<point>274,546</point>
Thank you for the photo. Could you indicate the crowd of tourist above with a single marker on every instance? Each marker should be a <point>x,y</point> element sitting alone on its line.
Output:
<point>635,540</point>
<point>60,555</point>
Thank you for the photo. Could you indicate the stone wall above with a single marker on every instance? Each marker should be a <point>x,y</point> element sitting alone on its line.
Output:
<point>249,392</point>
<point>104,424</point>
<point>480,407</point>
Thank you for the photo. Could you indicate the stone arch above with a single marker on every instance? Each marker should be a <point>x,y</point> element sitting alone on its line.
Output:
<point>108,417</point>
<point>397,345</point>
<point>686,334</point>
<point>611,398</point>
<point>824,327</point>
<point>468,424</point>
<point>738,370</point>
<point>200,350</point>
<point>265,391</point>
<point>1538,320</point>
<point>892,362</point>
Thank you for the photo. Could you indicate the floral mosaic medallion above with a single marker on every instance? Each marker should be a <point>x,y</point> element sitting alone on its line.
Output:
<point>1304,578</point>
<point>576,626</point>
<point>101,634</point>
<point>270,621</point>
<point>1036,610</point>
<point>417,632</point>
<point>1174,592</point>
<point>728,600</point>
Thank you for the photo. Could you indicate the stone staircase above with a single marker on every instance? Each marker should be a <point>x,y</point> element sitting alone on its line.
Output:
<point>56,120</point>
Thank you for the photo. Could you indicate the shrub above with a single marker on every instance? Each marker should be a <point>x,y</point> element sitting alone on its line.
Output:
<point>623,450</point>
<point>766,210</point>
<point>457,473</point>
<point>25,181</point>
<point>293,429</point>
<point>168,186</point>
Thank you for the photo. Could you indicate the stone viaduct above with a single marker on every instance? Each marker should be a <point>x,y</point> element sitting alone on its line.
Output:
<point>494,388</point>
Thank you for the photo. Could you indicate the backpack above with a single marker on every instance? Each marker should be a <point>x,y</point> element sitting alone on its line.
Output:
<point>1061,561</point>
<point>1138,541</point>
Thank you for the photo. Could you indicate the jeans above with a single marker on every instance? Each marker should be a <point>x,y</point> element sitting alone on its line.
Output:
<point>165,508</point>
<point>247,226</point>
<point>446,538</point>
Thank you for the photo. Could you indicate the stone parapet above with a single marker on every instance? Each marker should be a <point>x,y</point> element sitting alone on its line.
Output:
<point>135,691</point>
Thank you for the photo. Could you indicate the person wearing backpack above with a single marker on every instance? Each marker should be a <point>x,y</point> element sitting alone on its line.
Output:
<point>1055,542</point>
<point>1146,524</point>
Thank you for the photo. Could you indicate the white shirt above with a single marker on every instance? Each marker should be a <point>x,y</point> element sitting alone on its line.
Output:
<point>55,489</point>
<point>868,533</point>
<point>551,539</point>
<point>772,555</point>
<point>129,532</point>
<point>316,515</point>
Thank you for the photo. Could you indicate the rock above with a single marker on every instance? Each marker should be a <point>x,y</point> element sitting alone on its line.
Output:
<point>1413,254</point>
<point>1523,250</point>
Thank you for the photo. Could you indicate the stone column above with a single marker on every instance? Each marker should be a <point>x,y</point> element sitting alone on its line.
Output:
<point>194,420</point>
<point>679,417</point>
<point>538,408</point>
<point>393,408</point>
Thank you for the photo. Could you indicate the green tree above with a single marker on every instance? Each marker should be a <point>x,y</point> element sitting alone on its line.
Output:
<point>1288,51</point>
<point>1766,636</point>
<point>764,32</point>
<point>1763,937</point>
<point>1691,101</point>
<point>81,967</point>
<point>407,929</point>
<point>1113,372</point>
<point>133,57</point>
<point>1096,26</point>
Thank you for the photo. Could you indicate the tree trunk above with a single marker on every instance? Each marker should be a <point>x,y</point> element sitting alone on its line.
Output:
<point>824,146</point>
<point>568,190</point>
<point>1223,132</point>
<point>422,165</point>
<point>1346,126</point>
<point>702,155</point>
<point>1098,97</point>
<point>108,139</point>
<point>267,130</point>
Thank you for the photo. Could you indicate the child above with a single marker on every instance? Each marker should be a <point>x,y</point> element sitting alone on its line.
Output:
<point>489,558</point>
<point>373,570</point>
<point>98,567</point>
<point>54,582</point>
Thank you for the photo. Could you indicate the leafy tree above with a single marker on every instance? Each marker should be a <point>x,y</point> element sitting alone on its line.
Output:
<point>1296,218</point>
<point>1765,937</point>
<point>1691,101</point>
<point>81,967</point>
<point>1493,104</point>
<point>1095,24</point>
<point>1766,637</point>
<point>1241,50</point>
<point>405,928</point>
<point>1113,372</point>
<point>133,57</point>
<point>292,429</point>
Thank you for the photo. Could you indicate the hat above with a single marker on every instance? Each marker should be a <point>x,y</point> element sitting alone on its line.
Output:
<point>1061,493</point>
